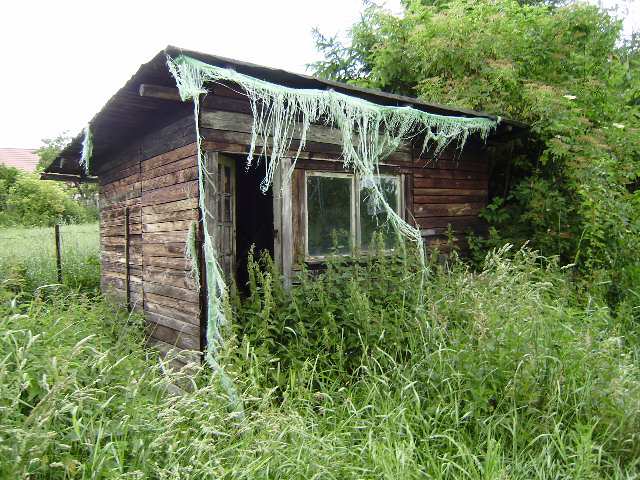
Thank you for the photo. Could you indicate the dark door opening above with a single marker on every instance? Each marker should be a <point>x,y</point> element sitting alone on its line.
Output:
<point>254,218</point>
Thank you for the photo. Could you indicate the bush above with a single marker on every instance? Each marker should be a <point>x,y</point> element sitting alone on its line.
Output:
<point>27,200</point>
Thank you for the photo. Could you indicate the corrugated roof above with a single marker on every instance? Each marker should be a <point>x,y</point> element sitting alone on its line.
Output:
<point>24,159</point>
<point>127,115</point>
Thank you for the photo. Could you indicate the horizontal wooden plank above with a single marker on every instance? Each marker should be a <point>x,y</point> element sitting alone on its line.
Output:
<point>117,212</point>
<point>172,193</point>
<point>191,214</point>
<point>163,250</point>
<point>458,223</point>
<point>460,165</point>
<point>109,279</point>
<point>121,196</point>
<point>170,291</point>
<point>134,239</point>
<point>182,176</point>
<point>188,316</point>
<point>447,209</point>
<point>165,276</point>
<point>451,174</point>
<point>116,222</point>
<point>447,183</point>
<point>167,226</point>
<point>120,184</point>
<point>429,199</point>
<point>338,166</point>
<point>120,267</point>
<point>175,206</point>
<point>238,143</point>
<point>176,236</point>
<point>172,323</point>
<point>114,255</point>
<point>174,263</point>
<point>169,157</point>
<point>173,337</point>
<point>450,191</point>
<point>241,122</point>
<point>135,249</point>
<point>121,275</point>
<point>118,230</point>
<point>119,173</point>
<point>177,166</point>
<point>188,308</point>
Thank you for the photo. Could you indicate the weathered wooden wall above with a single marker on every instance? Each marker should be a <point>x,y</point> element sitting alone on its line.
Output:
<point>156,178</point>
<point>450,190</point>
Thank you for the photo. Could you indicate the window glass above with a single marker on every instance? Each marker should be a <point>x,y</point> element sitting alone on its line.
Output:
<point>373,217</point>
<point>329,214</point>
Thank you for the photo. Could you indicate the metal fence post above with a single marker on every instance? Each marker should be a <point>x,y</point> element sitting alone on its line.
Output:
<point>56,230</point>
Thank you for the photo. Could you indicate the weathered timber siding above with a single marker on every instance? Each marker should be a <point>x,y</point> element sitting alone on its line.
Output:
<point>156,178</point>
<point>447,191</point>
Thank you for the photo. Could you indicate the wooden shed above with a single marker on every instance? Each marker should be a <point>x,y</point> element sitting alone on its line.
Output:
<point>145,158</point>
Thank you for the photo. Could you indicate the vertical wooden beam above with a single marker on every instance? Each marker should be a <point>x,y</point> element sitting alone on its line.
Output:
<point>127,268</point>
<point>211,193</point>
<point>56,232</point>
<point>211,206</point>
<point>277,220</point>
<point>203,297</point>
<point>286,222</point>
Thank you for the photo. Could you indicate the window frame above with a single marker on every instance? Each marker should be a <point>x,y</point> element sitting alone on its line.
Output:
<point>355,214</point>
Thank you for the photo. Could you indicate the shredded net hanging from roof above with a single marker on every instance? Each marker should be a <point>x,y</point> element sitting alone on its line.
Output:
<point>370,133</point>
<point>87,150</point>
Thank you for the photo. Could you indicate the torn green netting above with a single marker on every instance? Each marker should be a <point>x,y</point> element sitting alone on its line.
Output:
<point>370,133</point>
<point>87,150</point>
<point>191,252</point>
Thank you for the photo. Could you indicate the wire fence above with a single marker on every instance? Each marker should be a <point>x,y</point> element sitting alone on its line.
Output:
<point>67,254</point>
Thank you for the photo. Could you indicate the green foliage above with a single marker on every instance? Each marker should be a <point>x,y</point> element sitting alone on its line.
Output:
<point>570,187</point>
<point>84,193</point>
<point>510,372</point>
<point>27,200</point>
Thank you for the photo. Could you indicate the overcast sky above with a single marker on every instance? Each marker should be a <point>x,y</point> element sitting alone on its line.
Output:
<point>63,59</point>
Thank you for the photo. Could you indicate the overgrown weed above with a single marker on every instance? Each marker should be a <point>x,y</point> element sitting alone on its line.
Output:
<point>512,371</point>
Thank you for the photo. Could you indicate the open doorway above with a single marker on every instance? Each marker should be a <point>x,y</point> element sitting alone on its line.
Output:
<point>254,217</point>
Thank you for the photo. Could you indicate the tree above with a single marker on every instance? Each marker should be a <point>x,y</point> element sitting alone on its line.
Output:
<point>561,70</point>
<point>50,149</point>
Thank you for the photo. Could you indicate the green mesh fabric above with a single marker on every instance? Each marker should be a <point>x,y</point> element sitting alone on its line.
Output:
<point>87,150</point>
<point>369,134</point>
<point>191,252</point>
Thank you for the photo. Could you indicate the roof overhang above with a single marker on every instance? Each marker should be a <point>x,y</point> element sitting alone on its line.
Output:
<point>65,177</point>
<point>128,115</point>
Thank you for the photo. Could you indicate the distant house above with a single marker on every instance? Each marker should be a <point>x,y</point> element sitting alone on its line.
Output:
<point>24,159</point>
<point>145,155</point>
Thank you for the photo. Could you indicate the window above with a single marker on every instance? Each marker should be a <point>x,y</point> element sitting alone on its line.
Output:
<point>342,215</point>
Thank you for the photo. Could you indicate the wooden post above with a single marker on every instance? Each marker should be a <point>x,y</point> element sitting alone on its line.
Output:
<point>286,222</point>
<point>126,259</point>
<point>56,230</point>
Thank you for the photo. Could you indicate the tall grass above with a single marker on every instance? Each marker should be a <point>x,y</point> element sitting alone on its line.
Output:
<point>510,372</point>
<point>30,254</point>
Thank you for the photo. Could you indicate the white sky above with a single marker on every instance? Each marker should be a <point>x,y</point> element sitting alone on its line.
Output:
<point>63,59</point>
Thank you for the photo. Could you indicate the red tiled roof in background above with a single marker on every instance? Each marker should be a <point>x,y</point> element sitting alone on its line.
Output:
<point>21,158</point>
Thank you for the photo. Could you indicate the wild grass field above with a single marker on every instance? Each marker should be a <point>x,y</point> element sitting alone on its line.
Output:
<point>30,254</point>
<point>513,371</point>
